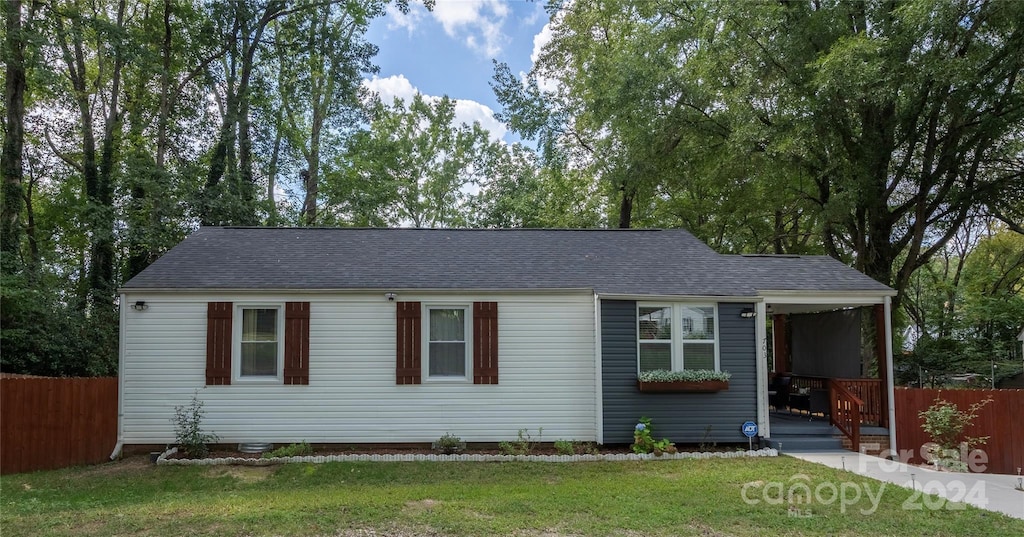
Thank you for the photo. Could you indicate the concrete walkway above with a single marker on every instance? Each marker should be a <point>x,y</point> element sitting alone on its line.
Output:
<point>994,492</point>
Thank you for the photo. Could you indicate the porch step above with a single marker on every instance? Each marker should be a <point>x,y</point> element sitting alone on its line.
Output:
<point>802,434</point>
<point>803,428</point>
<point>792,443</point>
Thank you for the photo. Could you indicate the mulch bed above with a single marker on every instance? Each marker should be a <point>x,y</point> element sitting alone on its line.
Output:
<point>357,450</point>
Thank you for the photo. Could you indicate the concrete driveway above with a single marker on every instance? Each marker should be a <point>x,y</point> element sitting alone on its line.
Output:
<point>994,492</point>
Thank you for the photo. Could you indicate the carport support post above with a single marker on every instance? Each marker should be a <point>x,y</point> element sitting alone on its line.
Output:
<point>890,386</point>
<point>760,352</point>
<point>882,360</point>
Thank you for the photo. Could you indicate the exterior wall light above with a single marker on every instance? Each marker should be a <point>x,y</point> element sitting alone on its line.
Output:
<point>140,305</point>
<point>748,313</point>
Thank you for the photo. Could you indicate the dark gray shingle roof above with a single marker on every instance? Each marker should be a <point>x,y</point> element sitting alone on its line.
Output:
<point>612,261</point>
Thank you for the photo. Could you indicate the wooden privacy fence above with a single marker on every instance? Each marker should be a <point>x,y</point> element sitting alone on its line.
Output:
<point>48,423</point>
<point>1002,421</point>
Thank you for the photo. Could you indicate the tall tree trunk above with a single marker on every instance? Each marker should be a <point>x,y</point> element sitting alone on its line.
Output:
<point>312,179</point>
<point>275,156</point>
<point>30,231</point>
<point>70,41</point>
<point>102,261</point>
<point>164,114</point>
<point>98,175</point>
<point>626,207</point>
<point>236,126</point>
<point>14,140</point>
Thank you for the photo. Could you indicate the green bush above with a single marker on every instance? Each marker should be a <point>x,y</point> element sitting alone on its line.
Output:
<point>945,424</point>
<point>644,442</point>
<point>291,450</point>
<point>523,445</point>
<point>448,444</point>
<point>188,429</point>
<point>575,447</point>
<point>565,447</point>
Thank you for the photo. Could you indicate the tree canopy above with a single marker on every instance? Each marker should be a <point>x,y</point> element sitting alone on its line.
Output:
<point>887,135</point>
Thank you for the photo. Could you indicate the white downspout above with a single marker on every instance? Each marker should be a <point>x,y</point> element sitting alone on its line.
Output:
<point>123,315</point>
<point>599,414</point>
<point>760,344</point>
<point>890,382</point>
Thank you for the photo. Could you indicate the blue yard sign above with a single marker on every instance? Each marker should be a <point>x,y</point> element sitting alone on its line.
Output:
<point>749,429</point>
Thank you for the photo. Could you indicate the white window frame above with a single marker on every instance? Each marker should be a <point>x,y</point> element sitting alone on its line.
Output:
<point>236,350</point>
<point>676,322</point>
<point>467,330</point>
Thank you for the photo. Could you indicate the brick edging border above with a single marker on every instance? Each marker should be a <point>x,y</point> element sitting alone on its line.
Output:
<point>430,457</point>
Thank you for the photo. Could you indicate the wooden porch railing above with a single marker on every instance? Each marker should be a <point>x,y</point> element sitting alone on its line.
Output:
<point>845,411</point>
<point>869,391</point>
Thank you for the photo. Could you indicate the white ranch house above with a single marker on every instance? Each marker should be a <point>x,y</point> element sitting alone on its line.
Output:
<point>346,336</point>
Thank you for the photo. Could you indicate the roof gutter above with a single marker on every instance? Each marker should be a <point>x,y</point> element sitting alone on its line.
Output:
<point>888,291</point>
<point>573,290</point>
<point>684,298</point>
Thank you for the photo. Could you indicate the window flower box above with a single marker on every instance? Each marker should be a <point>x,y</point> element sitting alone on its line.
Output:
<point>683,386</point>
<point>687,381</point>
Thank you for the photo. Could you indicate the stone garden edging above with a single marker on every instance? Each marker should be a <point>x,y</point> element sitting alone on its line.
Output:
<point>430,457</point>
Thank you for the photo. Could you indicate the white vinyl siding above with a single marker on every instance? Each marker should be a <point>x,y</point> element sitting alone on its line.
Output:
<point>547,374</point>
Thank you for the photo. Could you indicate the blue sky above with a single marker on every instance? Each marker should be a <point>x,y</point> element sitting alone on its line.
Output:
<point>449,51</point>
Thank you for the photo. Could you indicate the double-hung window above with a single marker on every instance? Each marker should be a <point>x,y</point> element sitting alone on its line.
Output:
<point>448,342</point>
<point>260,342</point>
<point>677,336</point>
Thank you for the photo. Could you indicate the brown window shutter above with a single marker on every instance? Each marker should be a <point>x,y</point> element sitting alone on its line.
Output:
<point>485,343</point>
<point>296,343</point>
<point>218,343</point>
<point>409,349</point>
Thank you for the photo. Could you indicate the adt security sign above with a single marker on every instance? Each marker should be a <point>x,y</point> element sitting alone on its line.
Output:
<point>749,429</point>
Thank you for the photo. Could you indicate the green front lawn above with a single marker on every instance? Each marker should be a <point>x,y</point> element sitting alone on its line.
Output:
<point>688,497</point>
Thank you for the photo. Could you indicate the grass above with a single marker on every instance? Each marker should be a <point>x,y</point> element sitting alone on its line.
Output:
<point>687,497</point>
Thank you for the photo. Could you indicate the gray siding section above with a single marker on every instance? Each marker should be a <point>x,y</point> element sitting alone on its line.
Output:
<point>680,417</point>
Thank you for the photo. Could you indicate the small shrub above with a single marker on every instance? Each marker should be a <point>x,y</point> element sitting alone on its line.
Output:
<point>448,444</point>
<point>644,442</point>
<point>523,445</point>
<point>945,424</point>
<point>575,447</point>
<point>565,447</point>
<point>188,429</point>
<point>291,450</point>
<point>706,443</point>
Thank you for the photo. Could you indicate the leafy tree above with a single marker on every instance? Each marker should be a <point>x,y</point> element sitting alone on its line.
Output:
<point>967,305</point>
<point>517,192</point>
<point>878,128</point>
<point>904,115</point>
<point>321,58</point>
<point>413,166</point>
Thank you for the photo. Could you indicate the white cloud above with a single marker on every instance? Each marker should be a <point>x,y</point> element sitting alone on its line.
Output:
<point>543,37</point>
<point>532,18</point>
<point>466,111</point>
<point>408,21</point>
<point>477,22</point>
<point>389,88</point>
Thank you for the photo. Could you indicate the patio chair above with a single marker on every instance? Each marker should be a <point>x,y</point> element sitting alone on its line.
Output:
<point>778,392</point>
<point>819,402</point>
